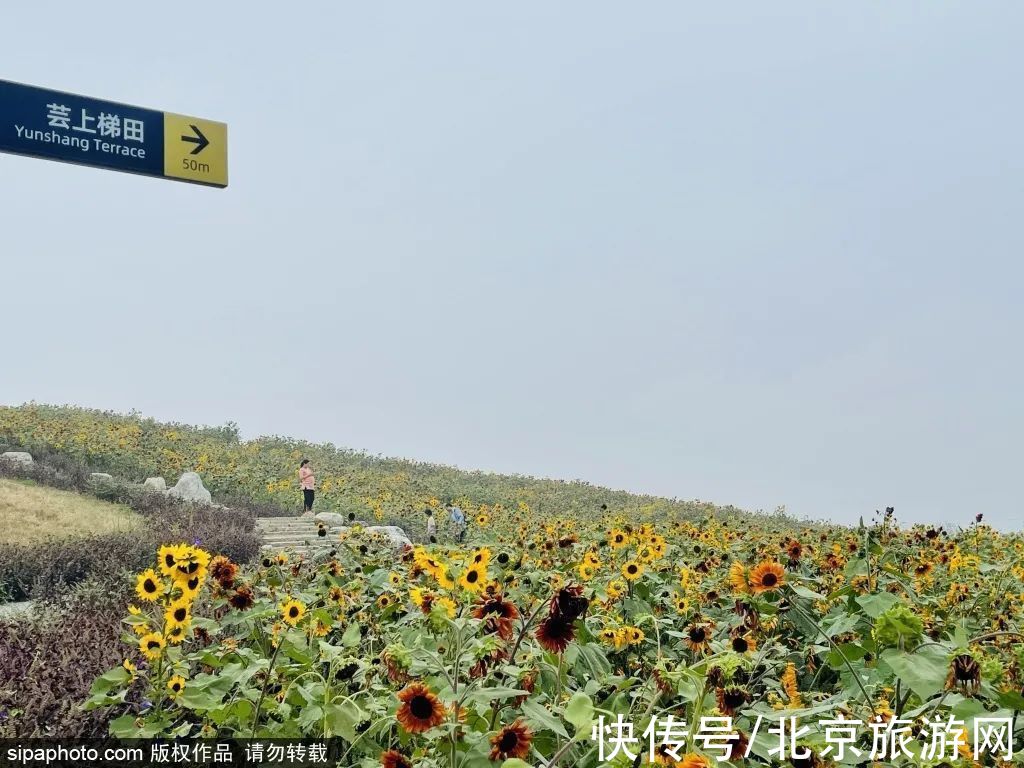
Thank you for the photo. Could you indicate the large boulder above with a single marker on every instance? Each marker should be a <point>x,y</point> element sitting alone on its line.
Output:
<point>17,457</point>
<point>330,519</point>
<point>190,488</point>
<point>157,484</point>
<point>395,535</point>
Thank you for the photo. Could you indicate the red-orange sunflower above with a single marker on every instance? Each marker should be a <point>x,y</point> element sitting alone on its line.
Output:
<point>421,710</point>
<point>555,633</point>
<point>698,636</point>
<point>767,577</point>
<point>394,759</point>
<point>498,614</point>
<point>511,741</point>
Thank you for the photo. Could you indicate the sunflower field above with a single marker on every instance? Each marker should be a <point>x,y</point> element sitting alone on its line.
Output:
<point>524,646</point>
<point>573,627</point>
<point>264,470</point>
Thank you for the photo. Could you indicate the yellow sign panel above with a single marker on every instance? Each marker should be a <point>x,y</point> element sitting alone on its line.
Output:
<point>195,150</point>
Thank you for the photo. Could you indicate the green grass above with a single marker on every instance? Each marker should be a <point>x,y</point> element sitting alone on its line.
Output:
<point>31,513</point>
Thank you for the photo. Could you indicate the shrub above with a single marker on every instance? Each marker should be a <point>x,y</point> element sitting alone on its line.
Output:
<point>49,660</point>
<point>43,570</point>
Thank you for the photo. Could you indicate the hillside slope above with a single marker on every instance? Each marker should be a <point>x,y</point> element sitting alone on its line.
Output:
<point>264,470</point>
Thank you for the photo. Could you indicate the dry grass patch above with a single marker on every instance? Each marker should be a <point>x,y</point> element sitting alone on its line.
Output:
<point>31,513</point>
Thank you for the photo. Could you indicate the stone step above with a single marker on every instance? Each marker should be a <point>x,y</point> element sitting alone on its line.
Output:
<point>290,525</point>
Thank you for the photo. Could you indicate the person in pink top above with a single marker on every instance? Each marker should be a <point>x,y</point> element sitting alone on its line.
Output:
<point>307,483</point>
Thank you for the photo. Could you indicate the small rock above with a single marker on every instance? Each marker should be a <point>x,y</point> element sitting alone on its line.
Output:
<point>155,484</point>
<point>329,518</point>
<point>190,488</point>
<point>100,477</point>
<point>395,535</point>
<point>17,457</point>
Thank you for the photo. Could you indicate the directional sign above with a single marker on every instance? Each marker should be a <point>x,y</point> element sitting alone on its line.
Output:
<point>78,129</point>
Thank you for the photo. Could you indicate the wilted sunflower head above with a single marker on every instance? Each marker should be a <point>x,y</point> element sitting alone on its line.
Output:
<point>698,636</point>
<point>731,699</point>
<point>743,643</point>
<point>964,674</point>
<point>242,599</point>
<point>223,571</point>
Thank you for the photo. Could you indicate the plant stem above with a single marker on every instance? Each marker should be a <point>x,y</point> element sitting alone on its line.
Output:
<point>842,655</point>
<point>263,692</point>
<point>558,755</point>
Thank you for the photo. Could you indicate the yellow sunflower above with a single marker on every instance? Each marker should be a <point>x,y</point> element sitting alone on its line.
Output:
<point>176,686</point>
<point>618,539</point>
<point>292,612</point>
<point>632,570</point>
<point>738,578</point>
<point>448,604</point>
<point>192,562</point>
<point>473,578</point>
<point>481,557</point>
<point>176,634</point>
<point>149,586</point>
<point>615,589</point>
<point>634,636</point>
<point>178,613</point>
<point>152,645</point>
<point>167,558</point>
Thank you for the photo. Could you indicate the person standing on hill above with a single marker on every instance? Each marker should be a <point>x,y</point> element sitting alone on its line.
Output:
<point>459,521</point>
<point>431,526</point>
<point>307,483</point>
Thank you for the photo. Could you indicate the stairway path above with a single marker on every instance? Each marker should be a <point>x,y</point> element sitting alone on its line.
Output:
<point>294,534</point>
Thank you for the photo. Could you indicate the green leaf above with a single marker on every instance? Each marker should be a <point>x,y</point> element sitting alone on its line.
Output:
<point>497,694</point>
<point>124,727</point>
<point>851,651</point>
<point>116,676</point>
<point>1011,700</point>
<point>308,717</point>
<point>805,592</point>
<point>342,719</point>
<point>595,660</point>
<point>538,715</point>
<point>924,671</point>
<point>580,711</point>
<point>875,605</point>
<point>351,637</point>
<point>514,762</point>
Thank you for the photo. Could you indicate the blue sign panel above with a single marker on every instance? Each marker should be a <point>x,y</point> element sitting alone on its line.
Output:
<point>77,129</point>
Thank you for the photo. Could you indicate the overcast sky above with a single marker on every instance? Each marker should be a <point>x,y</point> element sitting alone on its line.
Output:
<point>757,253</point>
